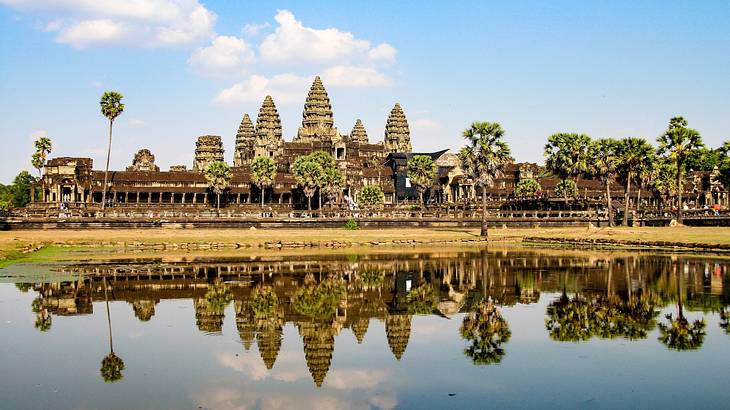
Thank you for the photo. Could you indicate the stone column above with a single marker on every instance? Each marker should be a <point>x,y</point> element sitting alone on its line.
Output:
<point>195,198</point>
<point>126,197</point>
<point>137,196</point>
<point>183,198</point>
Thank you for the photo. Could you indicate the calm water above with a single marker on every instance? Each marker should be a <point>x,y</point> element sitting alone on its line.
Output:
<point>455,329</point>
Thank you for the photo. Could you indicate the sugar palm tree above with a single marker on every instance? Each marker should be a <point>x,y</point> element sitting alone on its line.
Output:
<point>43,147</point>
<point>604,162</point>
<point>677,143</point>
<point>566,155</point>
<point>633,154</point>
<point>680,334</point>
<point>332,181</point>
<point>263,173</point>
<point>111,108</point>
<point>112,365</point>
<point>487,331</point>
<point>484,159</point>
<point>324,160</point>
<point>307,173</point>
<point>218,175</point>
<point>422,173</point>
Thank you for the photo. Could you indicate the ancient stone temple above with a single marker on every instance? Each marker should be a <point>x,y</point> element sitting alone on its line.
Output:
<point>398,331</point>
<point>245,142</point>
<point>317,121</point>
<point>358,134</point>
<point>208,148</point>
<point>397,133</point>
<point>359,328</point>
<point>269,335</point>
<point>245,323</point>
<point>143,161</point>
<point>268,130</point>
<point>319,343</point>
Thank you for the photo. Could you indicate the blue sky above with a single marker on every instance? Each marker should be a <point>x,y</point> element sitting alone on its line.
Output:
<point>189,68</point>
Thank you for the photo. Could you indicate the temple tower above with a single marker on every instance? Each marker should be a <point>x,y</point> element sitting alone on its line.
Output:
<point>269,335</point>
<point>398,332</point>
<point>143,161</point>
<point>245,141</point>
<point>358,134</point>
<point>268,130</point>
<point>208,148</point>
<point>359,328</point>
<point>319,343</point>
<point>397,134</point>
<point>245,323</point>
<point>317,120</point>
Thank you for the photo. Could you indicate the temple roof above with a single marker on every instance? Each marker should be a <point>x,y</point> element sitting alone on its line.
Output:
<point>397,133</point>
<point>317,107</point>
<point>358,133</point>
<point>246,131</point>
<point>268,123</point>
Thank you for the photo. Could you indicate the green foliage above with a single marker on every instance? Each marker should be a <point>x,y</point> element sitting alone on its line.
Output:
<point>17,194</point>
<point>704,159</point>
<point>486,331</point>
<point>725,321</point>
<point>662,180</point>
<point>218,297</point>
<point>263,171</point>
<point>567,154</point>
<point>264,301</point>
<point>422,172</point>
<point>604,158</point>
<point>422,300</point>
<point>724,177</point>
<point>370,197</point>
<point>486,154</point>
<point>566,188</point>
<point>111,105</point>
<point>635,156</point>
<point>5,207</point>
<point>111,368</point>
<point>527,188</point>
<point>322,158</point>
<point>372,278</point>
<point>43,147</point>
<point>331,182</point>
<point>43,322</point>
<point>680,334</point>
<point>307,173</point>
<point>218,175</point>
<point>351,225</point>
<point>319,301</point>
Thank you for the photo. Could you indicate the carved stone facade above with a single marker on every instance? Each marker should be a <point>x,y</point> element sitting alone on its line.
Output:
<point>268,130</point>
<point>358,134</point>
<point>317,121</point>
<point>245,142</point>
<point>143,161</point>
<point>208,149</point>
<point>397,133</point>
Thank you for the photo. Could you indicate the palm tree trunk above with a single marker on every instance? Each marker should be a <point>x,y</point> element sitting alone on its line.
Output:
<point>608,202</point>
<point>484,233</point>
<point>106,170</point>
<point>309,203</point>
<point>679,192</point>
<point>108,317</point>
<point>626,199</point>
<point>262,196</point>
<point>218,202</point>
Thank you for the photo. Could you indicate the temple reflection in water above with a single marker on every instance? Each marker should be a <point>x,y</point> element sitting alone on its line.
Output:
<point>601,296</point>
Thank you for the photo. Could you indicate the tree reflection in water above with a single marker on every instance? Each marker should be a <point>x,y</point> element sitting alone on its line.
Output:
<point>112,365</point>
<point>487,331</point>
<point>680,334</point>
<point>725,320</point>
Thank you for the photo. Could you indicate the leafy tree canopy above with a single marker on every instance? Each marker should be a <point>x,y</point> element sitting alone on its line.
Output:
<point>370,197</point>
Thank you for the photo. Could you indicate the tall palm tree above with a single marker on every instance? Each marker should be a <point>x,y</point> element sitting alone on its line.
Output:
<point>307,173</point>
<point>567,156</point>
<point>112,365</point>
<point>218,175</point>
<point>332,183</point>
<point>633,154</point>
<point>111,108</point>
<point>421,172</point>
<point>263,173</point>
<point>604,162</point>
<point>677,143</point>
<point>487,331</point>
<point>680,334</point>
<point>43,147</point>
<point>484,158</point>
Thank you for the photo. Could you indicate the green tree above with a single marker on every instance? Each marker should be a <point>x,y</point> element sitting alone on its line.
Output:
<point>307,173</point>
<point>634,154</point>
<point>422,173</point>
<point>43,147</point>
<point>218,175</point>
<point>370,197</point>
<point>486,331</point>
<point>263,174</point>
<point>603,160</point>
<point>677,143</point>
<point>661,179</point>
<point>680,334</point>
<point>112,365</point>
<point>527,188</point>
<point>724,165</point>
<point>484,159</point>
<point>21,190</point>
<point>566,155</point>
<point>328,164</point>
<point>566,188</point>
<point>111,107</point>
<point>331,183</point>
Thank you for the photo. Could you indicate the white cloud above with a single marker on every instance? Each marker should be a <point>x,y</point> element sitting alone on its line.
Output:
<point>253,29</point>
<point>135,121</point>
<point>425,124</point>
<point>291,41</point>
<point>384,53</point>
<point>283,88</point>
<point>133,23</point>
<point>352,76</point>
<point>225,56</point>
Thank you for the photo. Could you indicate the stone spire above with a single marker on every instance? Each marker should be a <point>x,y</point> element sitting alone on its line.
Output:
<point>317,107</point>
<point>268,124</point>
<point>319,343</point>
<point>317,120</point>
<point>144,309</point>
<point>359,328</point>
<point>358,134</point>
<point>245,323</point>
<point>208,148</point>
<point>268,338</point>
<point>397,134</point>
<point>398,331</point>
<point>245,139</point>
<point>208,320</point>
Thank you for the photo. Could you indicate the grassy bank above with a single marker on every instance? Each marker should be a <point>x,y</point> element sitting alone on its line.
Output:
<point>13,244</point>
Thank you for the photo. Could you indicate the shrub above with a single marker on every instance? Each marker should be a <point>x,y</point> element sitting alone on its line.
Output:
<point>527,188</point>
<point>351,225</point>
<point>370,197</point>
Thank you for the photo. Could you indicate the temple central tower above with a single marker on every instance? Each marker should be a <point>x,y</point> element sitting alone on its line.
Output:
<point>317,121</point>
<point>268,130</point>
<point>245,142</point>
<point>397,133</point>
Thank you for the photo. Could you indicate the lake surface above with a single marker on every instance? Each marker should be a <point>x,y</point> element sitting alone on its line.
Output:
<point>454,329</point>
